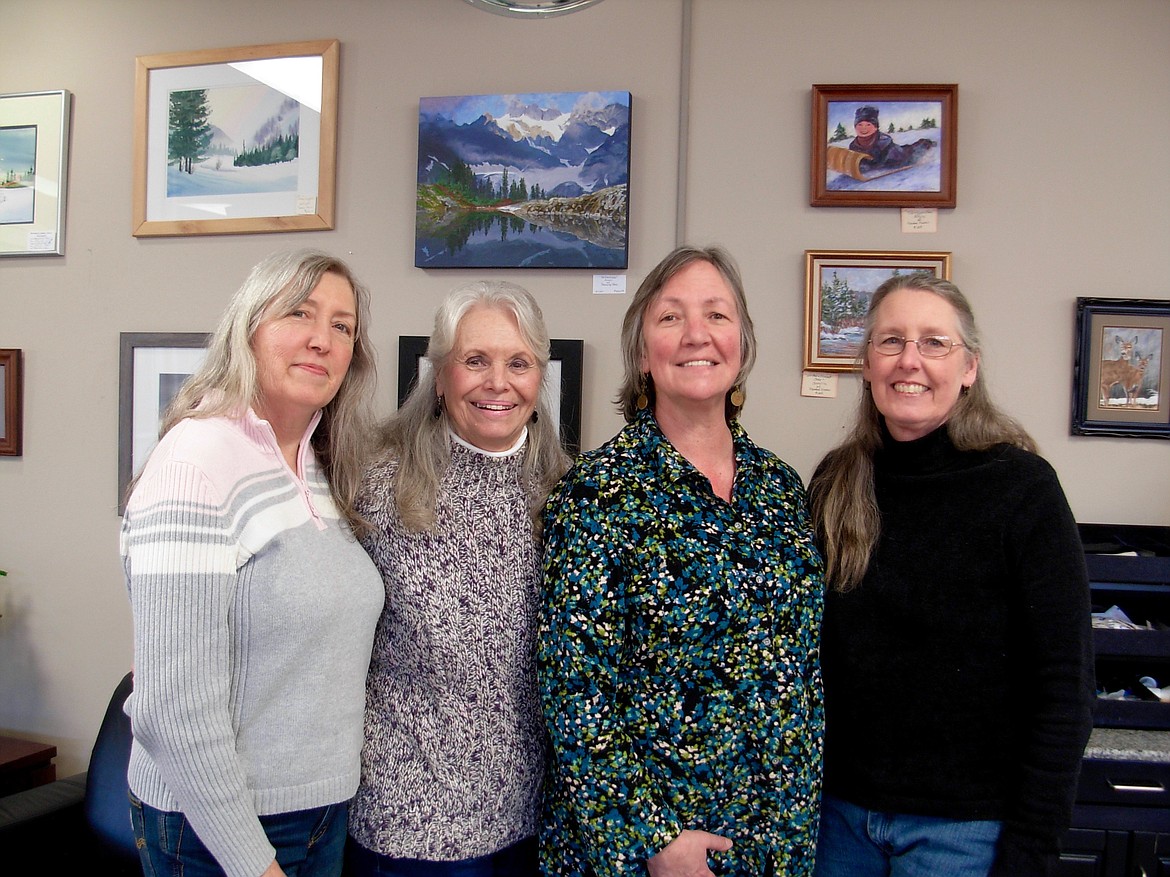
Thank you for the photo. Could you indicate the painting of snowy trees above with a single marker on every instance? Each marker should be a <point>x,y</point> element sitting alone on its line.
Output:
<point>536,180</point>
<point>236,140</point>
<point>840,284</point>
<point>239,140</point>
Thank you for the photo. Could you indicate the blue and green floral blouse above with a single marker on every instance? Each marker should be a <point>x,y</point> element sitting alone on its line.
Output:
<point>678,661</point>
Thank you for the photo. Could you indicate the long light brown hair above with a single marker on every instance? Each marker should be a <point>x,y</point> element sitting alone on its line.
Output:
<point>634,381</point>
<point>841,493</point>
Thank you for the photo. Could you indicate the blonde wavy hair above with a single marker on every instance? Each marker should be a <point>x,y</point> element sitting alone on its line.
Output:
<point>226,383</point>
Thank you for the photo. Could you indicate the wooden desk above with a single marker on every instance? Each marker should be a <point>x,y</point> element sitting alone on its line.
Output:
<point>25,764</point>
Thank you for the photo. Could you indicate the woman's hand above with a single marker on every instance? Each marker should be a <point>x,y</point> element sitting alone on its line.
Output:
<point>686,855</point>
<point>273,870</point>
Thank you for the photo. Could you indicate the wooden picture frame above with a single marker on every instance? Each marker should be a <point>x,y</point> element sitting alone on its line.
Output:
<point>12,402</point>
<point>1121,368</point>
<point>34,170</point>
<point>838,287</point>
<point>152,366</point>
<point>236,141</point>
<point>565,367</point>
<point>907,159</point>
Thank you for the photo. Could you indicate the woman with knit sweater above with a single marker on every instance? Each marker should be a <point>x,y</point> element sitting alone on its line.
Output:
<point>956,642</point>
<point>455,747</point>
<point>254,605</point>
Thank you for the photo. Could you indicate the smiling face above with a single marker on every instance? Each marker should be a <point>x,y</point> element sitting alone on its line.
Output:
<point>303,356</point>
<point>916,394</point>
<point>865,128</point>
<point>691,340</point>
<point>491,381</point>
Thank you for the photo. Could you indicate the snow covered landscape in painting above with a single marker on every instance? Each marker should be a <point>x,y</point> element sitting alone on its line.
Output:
<point>232,141</point>
<point>18,157</point>
<point>906,119</point>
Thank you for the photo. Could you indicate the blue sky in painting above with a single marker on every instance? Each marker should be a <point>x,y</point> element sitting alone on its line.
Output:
<point>467,108</point>
<point>902,113</point>
<point>861,279</point>
<point>18,148</point>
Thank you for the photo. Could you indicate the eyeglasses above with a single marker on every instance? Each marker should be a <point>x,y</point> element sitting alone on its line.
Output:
<point>930,346</point>
<point>517,366</point>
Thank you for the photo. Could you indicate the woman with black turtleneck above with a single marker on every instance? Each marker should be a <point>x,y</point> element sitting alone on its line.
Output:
<point>956,645</point>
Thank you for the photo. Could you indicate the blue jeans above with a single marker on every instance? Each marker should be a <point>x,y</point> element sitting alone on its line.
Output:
<point>309,843</point>
<point>517,860</point>
<point>856,842</point>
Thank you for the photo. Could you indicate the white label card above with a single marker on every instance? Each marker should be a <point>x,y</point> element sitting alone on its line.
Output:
<point>609,284</point>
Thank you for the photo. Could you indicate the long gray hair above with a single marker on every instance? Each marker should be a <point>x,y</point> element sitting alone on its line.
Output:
<point>226,382</point>
<point>417,435</point>
<point>841,493</point>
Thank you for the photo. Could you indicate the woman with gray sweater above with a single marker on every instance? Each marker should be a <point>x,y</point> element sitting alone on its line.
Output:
<point>455,747</point>
<point>254,605</point>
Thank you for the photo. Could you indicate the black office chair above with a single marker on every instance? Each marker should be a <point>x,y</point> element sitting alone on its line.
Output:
<point>107,802</point>
<point>78,823</point>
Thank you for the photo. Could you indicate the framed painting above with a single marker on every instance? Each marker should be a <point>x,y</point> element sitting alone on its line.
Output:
<point>1121,368</point>
<point>11,403</point>
<point>152,367</point>
<point>884,145</point>
<point>34,164</point>
<point>838,287</point>
<point>562,382</point>
<point>523,181</point>
<point>230,141</point>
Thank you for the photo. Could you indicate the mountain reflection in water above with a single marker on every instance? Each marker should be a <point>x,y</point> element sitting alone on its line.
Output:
<point>498,239</point>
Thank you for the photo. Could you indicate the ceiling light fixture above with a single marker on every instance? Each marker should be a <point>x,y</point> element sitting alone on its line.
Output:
<point>531,8</point>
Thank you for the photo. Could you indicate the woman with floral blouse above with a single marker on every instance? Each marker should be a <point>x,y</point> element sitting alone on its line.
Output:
<point>678,654</point>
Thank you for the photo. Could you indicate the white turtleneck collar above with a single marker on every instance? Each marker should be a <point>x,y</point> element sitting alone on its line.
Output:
<point>508,453</point>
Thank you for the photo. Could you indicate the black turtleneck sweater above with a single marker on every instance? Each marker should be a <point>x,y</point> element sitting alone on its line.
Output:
<point>958,676</point>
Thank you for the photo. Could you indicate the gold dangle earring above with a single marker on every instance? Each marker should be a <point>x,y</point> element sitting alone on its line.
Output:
<point>642,401</point>
<point>737,396</point>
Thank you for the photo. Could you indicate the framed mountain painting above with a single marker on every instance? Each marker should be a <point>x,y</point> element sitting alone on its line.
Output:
<point>535,180</point>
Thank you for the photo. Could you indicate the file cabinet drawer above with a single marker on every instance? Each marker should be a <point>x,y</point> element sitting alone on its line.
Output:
<point>1129,783</point>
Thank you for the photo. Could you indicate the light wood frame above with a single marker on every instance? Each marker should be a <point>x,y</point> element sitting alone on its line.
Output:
<point>156,214</point>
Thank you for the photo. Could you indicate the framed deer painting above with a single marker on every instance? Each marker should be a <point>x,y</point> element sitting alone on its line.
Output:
<point>1121,368</point>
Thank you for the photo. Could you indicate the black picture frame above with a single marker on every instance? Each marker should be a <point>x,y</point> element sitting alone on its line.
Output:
<point>1121,368</point>
<point>568,354</point>
<point>140,360</point>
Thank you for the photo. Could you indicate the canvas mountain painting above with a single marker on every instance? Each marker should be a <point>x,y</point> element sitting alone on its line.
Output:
<point>523,181</point>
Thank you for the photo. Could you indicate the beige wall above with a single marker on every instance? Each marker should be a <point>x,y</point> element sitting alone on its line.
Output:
<point>1062,192</point>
